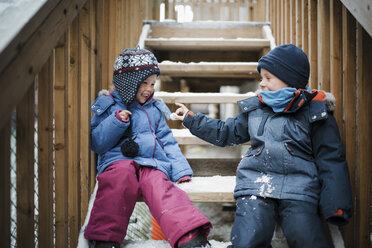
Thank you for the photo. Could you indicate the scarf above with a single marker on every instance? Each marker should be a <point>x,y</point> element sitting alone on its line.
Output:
<point>281,100</point>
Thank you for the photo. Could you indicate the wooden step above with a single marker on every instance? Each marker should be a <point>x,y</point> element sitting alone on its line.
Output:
<point>185,137</point>
<point>204,29</point>
<point>216,98</point>
<point>240,44</point>
<point>206,167</point>
<point>210,69</point>
<point>210,189</point>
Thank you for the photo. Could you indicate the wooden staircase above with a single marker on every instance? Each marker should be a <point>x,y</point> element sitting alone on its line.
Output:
<point>195,60</point>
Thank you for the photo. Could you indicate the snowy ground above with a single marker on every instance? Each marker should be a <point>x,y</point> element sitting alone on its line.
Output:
<point>165,244</point>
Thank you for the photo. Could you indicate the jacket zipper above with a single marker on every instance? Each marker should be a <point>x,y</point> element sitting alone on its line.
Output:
<point>153,135</point>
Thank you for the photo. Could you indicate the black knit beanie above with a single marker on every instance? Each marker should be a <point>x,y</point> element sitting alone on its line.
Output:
<point>289,63</point>
<point>131,68</point>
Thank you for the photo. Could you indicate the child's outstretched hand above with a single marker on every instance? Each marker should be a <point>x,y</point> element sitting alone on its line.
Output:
<point>181,112</point>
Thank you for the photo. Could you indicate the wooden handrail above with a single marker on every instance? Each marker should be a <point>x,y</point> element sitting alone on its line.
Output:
<point>32,53</point>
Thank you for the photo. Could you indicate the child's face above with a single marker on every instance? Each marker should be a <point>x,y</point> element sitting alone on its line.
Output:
<point>146,89</point>
<point>270,82</point>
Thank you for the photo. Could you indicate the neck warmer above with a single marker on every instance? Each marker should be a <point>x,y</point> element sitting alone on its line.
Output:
<point>280,100</point>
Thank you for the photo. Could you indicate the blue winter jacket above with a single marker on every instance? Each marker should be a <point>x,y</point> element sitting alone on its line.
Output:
<point>157,146</point>
<point>294,155</point>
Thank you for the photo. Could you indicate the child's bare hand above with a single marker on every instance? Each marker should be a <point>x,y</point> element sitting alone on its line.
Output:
<point>181,112</point>
<point>124,115</point>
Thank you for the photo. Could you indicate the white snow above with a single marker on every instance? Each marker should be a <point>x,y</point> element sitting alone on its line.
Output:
<point>14,14</point>
<point>209,184</point>
<point>266,185</point>
<point>165,244</point>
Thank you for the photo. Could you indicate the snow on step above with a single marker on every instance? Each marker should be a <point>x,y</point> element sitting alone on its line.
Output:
<point>210,189</point>
<point>184,137</point>
<point>165,244</point>
<point>209,69</point>
<point>242,44</point>
<point>182,97</point>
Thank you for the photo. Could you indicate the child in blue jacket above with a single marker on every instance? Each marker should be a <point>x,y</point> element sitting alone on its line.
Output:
<point>138,155</point>
<point>295,165</point>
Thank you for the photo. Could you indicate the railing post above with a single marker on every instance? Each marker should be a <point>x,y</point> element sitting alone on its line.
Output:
<point>5,185</point>
<point>25,169</point>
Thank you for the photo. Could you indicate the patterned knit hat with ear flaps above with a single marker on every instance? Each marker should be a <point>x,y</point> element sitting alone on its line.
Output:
<point>289,63</point>
<point>131,68</point>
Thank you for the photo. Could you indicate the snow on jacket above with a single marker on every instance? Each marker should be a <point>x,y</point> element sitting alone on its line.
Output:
<point>294,155</point>
<point>157,146</point>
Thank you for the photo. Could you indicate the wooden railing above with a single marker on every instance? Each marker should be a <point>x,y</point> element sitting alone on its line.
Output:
<point>52,70</point>
<point>340,51</point>
<point>64,55</point>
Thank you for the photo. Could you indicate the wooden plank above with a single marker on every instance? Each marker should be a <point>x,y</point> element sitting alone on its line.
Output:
<point>210,69</point>
<point>221,192</point>
<point>280,23</point>
<point>85,113</point>
<point>5,184</point>
<point>259,11</point>
<point>73,136</point>
<point>113,51</point>
<point>61,140</point>
<point>24,34</point>
<point>45,153</point>
<point>292,22</point>
<point>184,97</point>
<point>324,46</point>
<point>184,137</point>
<point>364,134</point>
<point>305,26</point>
<point>210,197</point>
<point>362,11</point>
<point>98,26</point>
<point>206,167</point>
<point>348,130</point>
<point>287,21</point>
<point>313,46</point>
<point>94,83</point>
<point>25,169</point>
<point>105,55</point>
<point>298,26</point>
<point>206,29</point>
<point>20,72</point>
<point>242,44</point>
<point>336,57</point>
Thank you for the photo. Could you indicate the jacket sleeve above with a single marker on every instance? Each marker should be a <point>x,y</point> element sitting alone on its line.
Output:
<point>335,196</point>
<point>180,166</point>
<point>231,132</point>
<point>106,129</point>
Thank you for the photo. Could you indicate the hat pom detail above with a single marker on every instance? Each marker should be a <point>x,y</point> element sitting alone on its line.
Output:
<point>130,149</point>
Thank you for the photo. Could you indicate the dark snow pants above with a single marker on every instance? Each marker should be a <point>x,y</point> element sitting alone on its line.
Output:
<point>255,220</point>
<point>118,188</point>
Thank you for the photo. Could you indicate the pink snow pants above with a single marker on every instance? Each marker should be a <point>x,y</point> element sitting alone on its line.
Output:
<point>118,188</point>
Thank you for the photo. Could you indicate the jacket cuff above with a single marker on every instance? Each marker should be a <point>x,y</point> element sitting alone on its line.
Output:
<point>338,218</point>
<point>188,118</point>
<point>119,117</point>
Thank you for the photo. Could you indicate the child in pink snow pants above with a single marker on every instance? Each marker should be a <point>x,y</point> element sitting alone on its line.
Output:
<point>138,156</point>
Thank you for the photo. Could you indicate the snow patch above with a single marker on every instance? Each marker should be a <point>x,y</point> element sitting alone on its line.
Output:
<point>266,186</point>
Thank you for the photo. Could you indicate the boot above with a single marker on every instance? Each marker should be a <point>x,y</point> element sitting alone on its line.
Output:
<point>103,244</point>
<point>199,241</point>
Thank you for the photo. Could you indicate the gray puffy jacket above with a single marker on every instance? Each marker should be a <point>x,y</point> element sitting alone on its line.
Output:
<point>294,155</point>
